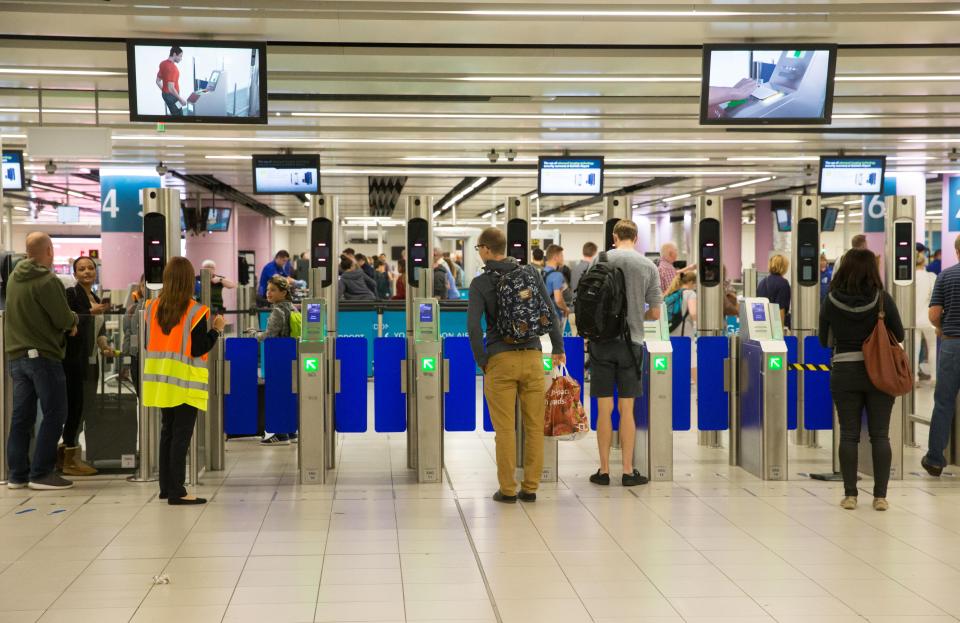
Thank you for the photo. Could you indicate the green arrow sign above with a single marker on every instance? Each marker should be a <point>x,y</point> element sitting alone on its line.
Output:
<point>428,364</point>
<point>311,364</point>
<point>775,362</point>
<point>660,362</point>
<point>548,364</point>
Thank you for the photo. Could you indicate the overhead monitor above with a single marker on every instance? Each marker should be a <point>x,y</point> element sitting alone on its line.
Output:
<point>767,84</point>
<point>851,175</point>
<point>68,214</point>
<point>173,80</point>
<point>828,219</point>
<point>12,170</point>
<point>218,219</point>
<point>570,176</point>
<point>781,214</point>
<point>286,174</point>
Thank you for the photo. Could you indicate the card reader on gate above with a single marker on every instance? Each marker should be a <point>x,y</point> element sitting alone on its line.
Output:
<point>426,320</point>
<point>314,316</point>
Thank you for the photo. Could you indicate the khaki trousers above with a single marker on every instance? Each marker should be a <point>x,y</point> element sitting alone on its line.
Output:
<point>509,376</point>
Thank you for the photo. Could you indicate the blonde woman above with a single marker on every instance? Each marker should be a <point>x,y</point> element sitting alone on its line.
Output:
<point>775,287</point>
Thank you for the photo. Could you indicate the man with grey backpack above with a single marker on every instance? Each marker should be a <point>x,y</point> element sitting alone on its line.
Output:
<point>513,300</point>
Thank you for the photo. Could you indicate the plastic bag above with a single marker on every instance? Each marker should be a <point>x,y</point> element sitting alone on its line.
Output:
<point>564,417</point>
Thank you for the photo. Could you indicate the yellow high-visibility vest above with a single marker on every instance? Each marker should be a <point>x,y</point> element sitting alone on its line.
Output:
<point>171,376</point>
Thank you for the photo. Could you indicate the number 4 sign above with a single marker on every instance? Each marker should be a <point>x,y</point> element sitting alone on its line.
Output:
<point>121,204</point>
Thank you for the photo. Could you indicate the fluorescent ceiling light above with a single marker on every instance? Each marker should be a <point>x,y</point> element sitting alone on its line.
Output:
<point>901,78</point>
<point>694,173</point>
<point>442,115</point>
<point>677,197</point>
<point>715,190</point>
<point>758,180</point>
<point>19,209</point>
<point>950,172</point>
<point>484,159</point>
<point>580,78</point>
<point>591,216</point>
<point>852,202</point>
<point>774,158</point>
<point>12,136</point>
<point>64,111</point>
<point>534,196</point>
<point>590,13</point>
<point>459,196</point>
<point>909,158</point>
<point>59,72</point>
<point>453,141</point>
<point>855,116</point>
<point>230,157</point>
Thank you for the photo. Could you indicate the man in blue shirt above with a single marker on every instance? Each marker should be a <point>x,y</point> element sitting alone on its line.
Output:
<point>945,316</point>
<point>555,281</point>
<point>279,266</point>
<point>934,265</point>
<point>826,274</point>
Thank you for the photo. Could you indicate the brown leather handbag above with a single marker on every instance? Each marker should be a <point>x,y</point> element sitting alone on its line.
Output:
<point>886,361</point>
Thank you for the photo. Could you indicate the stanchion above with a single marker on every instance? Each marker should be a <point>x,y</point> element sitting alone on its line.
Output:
<point>148,422</point>
<point>6,395</point>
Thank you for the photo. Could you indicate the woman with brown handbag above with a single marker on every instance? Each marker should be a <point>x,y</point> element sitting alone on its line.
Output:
<point>848,317</point>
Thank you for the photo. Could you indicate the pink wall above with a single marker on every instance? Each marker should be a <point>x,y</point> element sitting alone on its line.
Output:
<point>732,228</point>
<point>121,258</point>
<point>763,234</point>
<point>255,232</point>
<point>221,247</point>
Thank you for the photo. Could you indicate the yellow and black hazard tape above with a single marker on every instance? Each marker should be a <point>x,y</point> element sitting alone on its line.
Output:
<point>811,367</point>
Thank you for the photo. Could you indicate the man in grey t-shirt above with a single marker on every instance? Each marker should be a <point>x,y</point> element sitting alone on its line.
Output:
<point>615,364</point>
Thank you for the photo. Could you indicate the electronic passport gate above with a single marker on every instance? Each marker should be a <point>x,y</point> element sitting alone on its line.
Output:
<point>423,379</point>
<point>710,293</point>
<point>616,209</point>
<point>762,419</point>
<point>653,448</point>
<point>805,295</point>
<point>318,370</point>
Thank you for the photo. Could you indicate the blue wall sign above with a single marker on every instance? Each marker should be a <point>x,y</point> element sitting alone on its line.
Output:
<point>874,208</point>
<point>120,202</point>
<point>953,205</point>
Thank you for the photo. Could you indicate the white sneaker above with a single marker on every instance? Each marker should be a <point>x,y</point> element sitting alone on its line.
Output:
<point>16,485</point>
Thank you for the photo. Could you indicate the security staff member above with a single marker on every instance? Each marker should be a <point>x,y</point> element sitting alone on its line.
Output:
<point>175,371</point>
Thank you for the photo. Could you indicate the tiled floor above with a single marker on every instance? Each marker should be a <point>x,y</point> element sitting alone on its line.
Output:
<point>716,545</point>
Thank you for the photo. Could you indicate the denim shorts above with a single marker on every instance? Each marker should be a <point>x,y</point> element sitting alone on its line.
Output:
<point>615,365</point>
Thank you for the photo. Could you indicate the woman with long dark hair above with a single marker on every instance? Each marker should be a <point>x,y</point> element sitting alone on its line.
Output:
<point>847,318</point>
<point>175,371</point>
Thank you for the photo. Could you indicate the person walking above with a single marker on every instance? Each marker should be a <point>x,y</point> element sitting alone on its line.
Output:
<point>354,284</point>
<point>775,287</point>
<point>589,252</point>
<point>615,365</point>
<point>556,284</point>
<point>686,284</point>
<point>847,318</point>
<point>382,278</point>
<point>38,319</point>
<point>175,371</point>
<point>278,325</point>
<point>944,314</point>
<point>926,337</point>
<point>80,362</point>
<point>511,371</point>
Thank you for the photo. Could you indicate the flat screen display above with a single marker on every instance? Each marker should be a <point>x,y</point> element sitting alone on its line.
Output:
<point>12,170</point>
<point>68,214</point>
<point>426,312</point>
<point>571,176</point>
<point>782,216</point>
<point>828,219</point>
<point>286,174</point>
<point>851,175</point>
<point>218,219</point>
<point>313,312</point>
<point>185,81</point>
<point>759,312</point>
<point>769,84</point>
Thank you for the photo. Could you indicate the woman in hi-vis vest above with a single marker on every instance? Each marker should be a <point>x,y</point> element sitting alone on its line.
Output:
<point>175,371</point>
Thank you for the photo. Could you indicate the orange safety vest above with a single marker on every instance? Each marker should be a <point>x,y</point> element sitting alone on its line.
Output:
<point>171,376</point>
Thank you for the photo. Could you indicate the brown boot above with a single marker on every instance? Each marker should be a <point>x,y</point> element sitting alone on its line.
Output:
<point>73,464</point>
<point>60,453</point>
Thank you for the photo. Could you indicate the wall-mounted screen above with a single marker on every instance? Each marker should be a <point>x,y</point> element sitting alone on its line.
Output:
<point>197,81</point>
<point>571,176</point>
<point>828,219</point>
<point>286,174</point>
<point>851,175</point>
<point>781,214</point>
<point>68,214</point>
<point>12,170</point>
<point>769,84</point>
<point>218,219</point>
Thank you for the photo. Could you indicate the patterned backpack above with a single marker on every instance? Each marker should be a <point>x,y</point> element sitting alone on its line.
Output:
<point>522,311</point>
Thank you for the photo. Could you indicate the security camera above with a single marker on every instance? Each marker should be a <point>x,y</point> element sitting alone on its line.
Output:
<point>953,156</point>
<point>808,170</point>
<point>493,156</point>
<point>51,167</point>
<point>511,155</point>
<point>161,168</point>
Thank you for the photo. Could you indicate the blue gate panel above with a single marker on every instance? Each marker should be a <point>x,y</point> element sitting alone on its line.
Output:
<point>351,402</point>
<point>459,404</point>
<point>394,323</point>
<point>573,349</point>
<point>240,405</point>
<point>365,324</point>
<point>817,402</point>
<point>712,402</point>
<point>682,354</point>
<point>791,341</point>
<point>281,411</point>
<point>389,401</point>
<point>487,422</point>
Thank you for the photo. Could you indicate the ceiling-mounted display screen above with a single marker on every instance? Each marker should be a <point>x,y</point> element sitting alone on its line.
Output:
<point>12,170</point>
<point>828,219</point>
<point>782,214</point>
<point>68,214</point>
<point>286,174</point>
<point>197,81</point>
<point>776,83</point>
<point>571,176</point>
<point>851,175</point>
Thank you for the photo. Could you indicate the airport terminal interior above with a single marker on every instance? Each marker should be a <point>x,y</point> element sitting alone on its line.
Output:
<point>349,461</point>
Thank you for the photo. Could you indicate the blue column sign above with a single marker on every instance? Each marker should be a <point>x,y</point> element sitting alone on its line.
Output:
<point>874,208</point>
<point>953,205</point>
<point>121,209</point>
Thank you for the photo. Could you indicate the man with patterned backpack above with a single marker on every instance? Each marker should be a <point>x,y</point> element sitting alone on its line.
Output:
<point>513,300</point>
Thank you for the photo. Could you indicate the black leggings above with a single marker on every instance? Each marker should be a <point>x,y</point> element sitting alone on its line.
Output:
<point>176,430</point>
<point>77,375</point>
<point>853,392</point>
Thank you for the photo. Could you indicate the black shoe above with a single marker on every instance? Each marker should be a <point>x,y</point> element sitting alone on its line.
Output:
<point>923,377</point>
<point>932,469</point>
<point>50,482</point>
<point>600,479</point>
<point>505,499</point>
<point>527,496</point>
<point>162,496</point>
<point>185,501</point>
<point>634,479</point>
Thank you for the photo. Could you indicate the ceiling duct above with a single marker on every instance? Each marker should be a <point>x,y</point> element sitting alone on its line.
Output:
<point>384,194</point>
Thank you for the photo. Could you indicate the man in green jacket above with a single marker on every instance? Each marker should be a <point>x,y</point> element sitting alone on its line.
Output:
<point>37,321</point>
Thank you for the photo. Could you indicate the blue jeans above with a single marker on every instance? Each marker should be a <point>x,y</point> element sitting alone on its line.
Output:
<point>43,379</point>
<point>944,401</point>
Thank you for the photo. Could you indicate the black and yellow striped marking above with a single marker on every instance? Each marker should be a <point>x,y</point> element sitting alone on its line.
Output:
<point>812,367</point>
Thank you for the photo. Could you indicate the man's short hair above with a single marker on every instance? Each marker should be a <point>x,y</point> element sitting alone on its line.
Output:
<point>345,263</point>
<point>589,249</point>
<point>553,251</point>
<point>625,230</point>
<point>282,253</point>
<point>360,257</point>
<point>859,242</point>
<point>494,240</point>
<point>538,254</point>
<point>349,251</point>
<point>174,50</point>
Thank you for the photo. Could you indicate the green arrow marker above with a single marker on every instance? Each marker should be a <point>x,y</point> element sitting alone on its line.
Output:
<point>311,364</point>
<point>428,364</point>
<point>548,364</point>
<point>775,362</point>
<point>660,363</point>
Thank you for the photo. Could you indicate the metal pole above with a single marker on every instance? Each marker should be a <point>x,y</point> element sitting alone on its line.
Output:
<point>6,390</point>
<point>710,319</point>
<point>147,417</point>
<point>733,394</point>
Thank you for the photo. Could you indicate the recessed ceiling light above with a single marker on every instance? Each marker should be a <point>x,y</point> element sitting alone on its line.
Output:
<point>59,72</point>
<point>455,141</point>
<point>677,197</point>
<point>715,190</point>
<point>901,78</point>
<point>229,157</point>
<point>758,180</point>
<point>774,158</point>
<point>580,78</point>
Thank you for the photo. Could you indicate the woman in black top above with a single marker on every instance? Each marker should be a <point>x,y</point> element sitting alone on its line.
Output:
<point>775,287</point>
<point>90,338</point>
<point>847,318</point>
